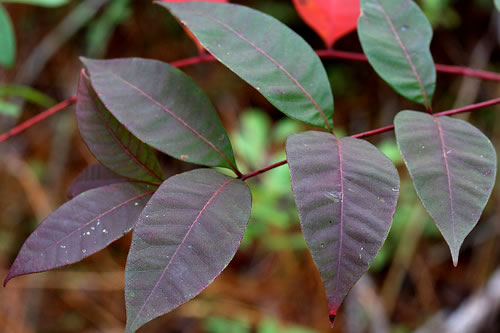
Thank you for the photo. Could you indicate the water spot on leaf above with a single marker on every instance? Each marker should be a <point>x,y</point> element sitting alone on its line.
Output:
<point>395,189</point>
<point>63,246</point>
<point>183,156</point>
<point>136,204</point>
<point>404,27</point>
<point>322,245</point>
<point>335,196</point>
<point>83,251</point>
<point>104,231</point>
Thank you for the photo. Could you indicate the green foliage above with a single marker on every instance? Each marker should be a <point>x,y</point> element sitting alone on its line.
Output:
<point>43,3</point>
<point>7,39</point>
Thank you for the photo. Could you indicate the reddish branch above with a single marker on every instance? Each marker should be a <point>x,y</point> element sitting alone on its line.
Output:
<point>334,54</point>
<point>39,117</point>
<point>326,54</point>
<point>387,129</point>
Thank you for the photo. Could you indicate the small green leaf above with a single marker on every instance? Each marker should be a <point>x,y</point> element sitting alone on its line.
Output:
<point>27,93</point>
<point>7,39</point>
<point>497,4</point>
<point>396,35</point>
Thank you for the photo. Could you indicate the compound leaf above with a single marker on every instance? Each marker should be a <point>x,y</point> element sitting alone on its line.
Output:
<point>346,193</point>
<point>93,176</point>
<point>396,35</point>
<point>331,19</point>
<point>81,227</point>
<point>265,53</point>
<point>187,234</point>
<point>453,167</point>
<point>163,107</point>
<point>110,142</point>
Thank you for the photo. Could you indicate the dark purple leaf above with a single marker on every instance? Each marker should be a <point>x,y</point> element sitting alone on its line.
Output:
<point>110,142</point>
<point>453,167</point>
<point>187,234</point>
<point>163,107</point>
<point>265,53</point>
<point>95,175</point>
<point>81,227</point>
<point>346,193</point>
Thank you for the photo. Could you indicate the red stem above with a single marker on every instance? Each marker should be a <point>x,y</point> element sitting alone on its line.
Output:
<point>258,172</point>
<point>326,54</point>
<point>354,56</point>
<point>39,117</point>
<point>387,129</point>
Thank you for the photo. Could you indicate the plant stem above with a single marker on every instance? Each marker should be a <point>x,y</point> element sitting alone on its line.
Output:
<point>354,56</point>
<point>258,172</point>
<point>39,117</point>
<point>468,108</point>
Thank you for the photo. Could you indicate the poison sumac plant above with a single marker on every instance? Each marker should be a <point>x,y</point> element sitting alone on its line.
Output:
<point>187,228</point>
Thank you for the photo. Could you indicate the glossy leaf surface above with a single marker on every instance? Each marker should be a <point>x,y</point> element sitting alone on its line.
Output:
<point>187,234</point>
<point>331,19</point>
<point>396,35</point>
<point>81,227</point>
<point>453,167</point>
<point>110,142</point>
<point>95,175</point>
<point>265,53</point>
<point>346,193</point>
<point>7,39</point>
<point>163,107</point>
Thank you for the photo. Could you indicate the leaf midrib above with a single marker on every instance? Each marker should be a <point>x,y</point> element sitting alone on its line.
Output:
<point>172,114</point>
<point>448,175</point>
<point>339,261</point>
<point>274,62</point>
<point>405,53</point>
<point>216,193</point>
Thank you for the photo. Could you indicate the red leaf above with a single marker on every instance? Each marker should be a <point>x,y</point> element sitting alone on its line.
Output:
<point>331,19</point>
<point>200,47</point>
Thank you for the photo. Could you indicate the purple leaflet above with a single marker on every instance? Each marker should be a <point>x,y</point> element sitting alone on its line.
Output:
<point>346,193</point>
<point>186,235</point>
<point>93,176</point>
<point>162,106</point>
<point>110,142</point>
<point>453,167</point>
<point>81,227</point>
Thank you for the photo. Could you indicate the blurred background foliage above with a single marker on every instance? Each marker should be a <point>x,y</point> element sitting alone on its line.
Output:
<point>272,284</point>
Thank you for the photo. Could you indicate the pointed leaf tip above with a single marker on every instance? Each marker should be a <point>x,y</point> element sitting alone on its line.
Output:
<point>176,117</point>
<point>332,319</point>
<point>331,19</point>
<point>453,168</point>
<point>187,234</point>
<point>82,226</point>
<point>346,192</point>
